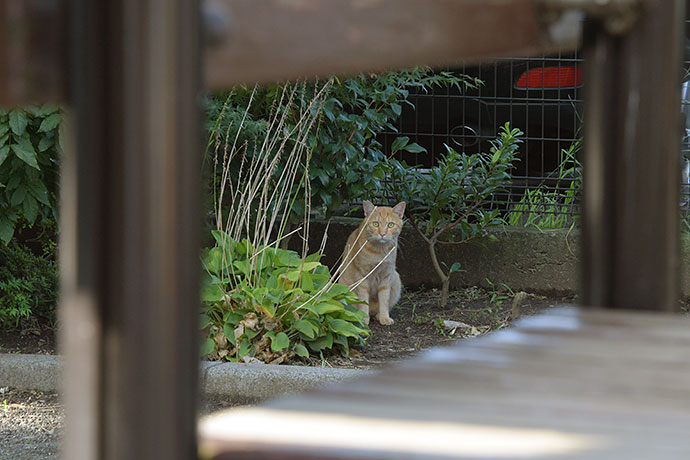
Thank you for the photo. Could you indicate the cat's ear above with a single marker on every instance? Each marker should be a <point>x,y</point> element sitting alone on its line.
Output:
<point>399,209</point>
<point>368,207</point>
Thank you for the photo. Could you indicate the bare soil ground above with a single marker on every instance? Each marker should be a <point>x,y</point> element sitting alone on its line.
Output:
<point>420,323</point>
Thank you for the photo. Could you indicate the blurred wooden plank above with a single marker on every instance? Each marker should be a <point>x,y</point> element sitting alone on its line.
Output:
<point>33,52</point>
<point>630,244</point>
<point>130,223</point>
<point>275,40</point>
<point>588,384</point>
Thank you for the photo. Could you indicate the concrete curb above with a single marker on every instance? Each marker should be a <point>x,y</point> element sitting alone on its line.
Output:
<point>238,383</point>
<point>248,383</point>
<point>30,372</point>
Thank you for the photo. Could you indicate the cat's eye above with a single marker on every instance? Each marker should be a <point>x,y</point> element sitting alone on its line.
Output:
<point>374,224</point>
<point>391,224</point>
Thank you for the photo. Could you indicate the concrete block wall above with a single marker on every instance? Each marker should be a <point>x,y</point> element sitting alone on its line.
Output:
<point>524,259</point>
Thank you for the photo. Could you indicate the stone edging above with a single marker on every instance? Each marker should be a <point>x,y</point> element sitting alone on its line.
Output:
<point>239,383</point>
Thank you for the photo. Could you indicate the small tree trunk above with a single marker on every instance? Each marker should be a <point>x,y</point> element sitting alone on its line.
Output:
<point>444,292</point>
<point>445,279</point>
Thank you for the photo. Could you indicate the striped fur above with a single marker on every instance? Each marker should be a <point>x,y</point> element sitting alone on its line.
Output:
<point>369,260</point>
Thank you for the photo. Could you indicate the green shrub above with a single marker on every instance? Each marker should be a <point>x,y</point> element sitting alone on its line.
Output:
<point>449,204</point>
<point>28,285</point>
<point>270,304</point>
<point>29,146</point>
<point>345,152</point>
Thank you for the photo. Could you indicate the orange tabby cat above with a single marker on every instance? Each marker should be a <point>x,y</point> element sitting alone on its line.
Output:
<point>369,260</point>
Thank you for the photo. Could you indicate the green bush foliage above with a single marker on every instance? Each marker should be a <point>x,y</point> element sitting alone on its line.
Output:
<point>449,204</point>
<point>271,304</point>
<point>28,285</point>
<point>346,157</point>
<point>29,146</point>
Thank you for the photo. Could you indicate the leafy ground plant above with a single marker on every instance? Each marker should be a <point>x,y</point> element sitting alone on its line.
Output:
<point>262,302</point>
<point>549,207</point>
<point>28,285</point>
<point>449,204</point>
<point>270,304</point>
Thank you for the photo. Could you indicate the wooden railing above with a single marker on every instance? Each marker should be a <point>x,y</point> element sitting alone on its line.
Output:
<point>130,75</point>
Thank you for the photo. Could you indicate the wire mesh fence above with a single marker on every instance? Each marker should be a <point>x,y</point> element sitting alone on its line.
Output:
<point>542,96</point>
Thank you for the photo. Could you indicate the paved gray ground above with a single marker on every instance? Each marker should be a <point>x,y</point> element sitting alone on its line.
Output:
<point>31,421</point>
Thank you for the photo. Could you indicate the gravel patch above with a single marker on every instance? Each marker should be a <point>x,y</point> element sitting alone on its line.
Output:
<point>31,424</point>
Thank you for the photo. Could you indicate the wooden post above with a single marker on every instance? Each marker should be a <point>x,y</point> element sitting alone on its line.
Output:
<point>130,224</point>
<point>33,50</point>
<point>632,155</point>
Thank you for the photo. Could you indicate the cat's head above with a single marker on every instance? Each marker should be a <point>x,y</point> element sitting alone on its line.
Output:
<point>383,224</point>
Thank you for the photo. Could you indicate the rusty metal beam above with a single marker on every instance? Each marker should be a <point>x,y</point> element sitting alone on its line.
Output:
<point>33,51</point>
<point>130,231</point>
<point>275,39</point>
<point>632,154</point>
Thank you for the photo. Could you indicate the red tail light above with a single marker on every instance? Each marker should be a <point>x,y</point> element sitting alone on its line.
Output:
<point>550,78</point>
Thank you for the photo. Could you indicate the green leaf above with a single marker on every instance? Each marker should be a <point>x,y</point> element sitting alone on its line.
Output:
<point>242,266</point>
<point>345,328</point>
<point>306,328</point>
<point>307,283</point>
<point>352,316</point>
<point>351,153</point>
<point>43,110</point>
<point>38,190</point>
<point>301,350</point>
<point>213,261</point>
<point>18,196</point>
<point>6,229</point>
<point>399,143</point>
<point>246,348</point>
<point>309,266</point>
<point>30,209</point>
<point>45,143</point>
<point>280,342</point>
<point>229,331</point>
<point>322,343</point>
<point>342,341</point>
<point>496,157</point>
<point>456,267</point>
<point>327,307</point>
<point>204,321</point>
<point>25,152</point>
<point>208,346</point>
<point>211,291</point>
<point>4,151</point>
<point>293,275</point>
<point>50,123</point>
<point>18,122</point>
<point>338,289</point>
<point>414,148</point>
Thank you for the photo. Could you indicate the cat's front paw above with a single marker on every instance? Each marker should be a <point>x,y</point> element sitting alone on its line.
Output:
<point>385,320</point>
